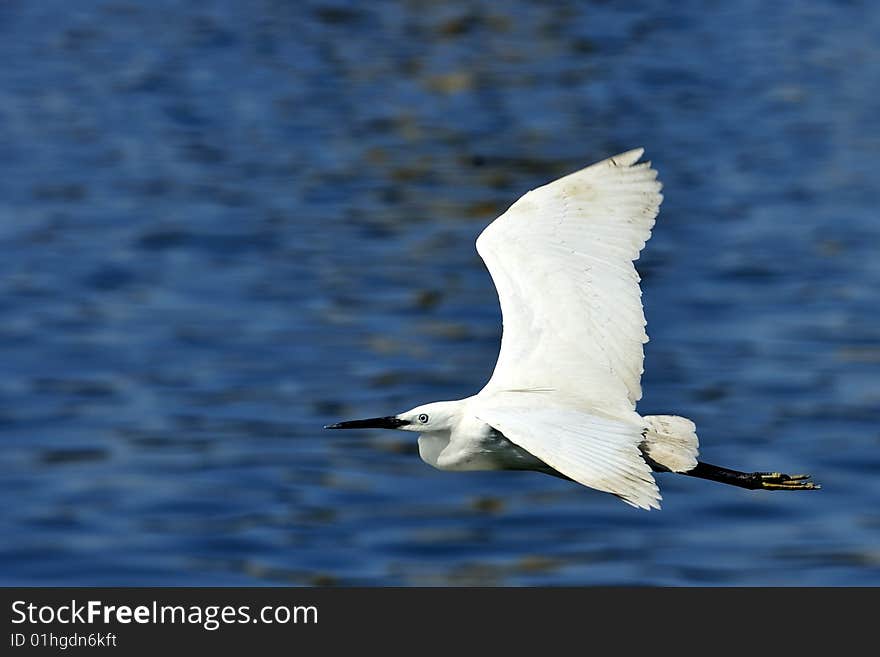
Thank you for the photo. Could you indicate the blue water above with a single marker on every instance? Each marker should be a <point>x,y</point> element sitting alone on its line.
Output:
<point>225,224</point>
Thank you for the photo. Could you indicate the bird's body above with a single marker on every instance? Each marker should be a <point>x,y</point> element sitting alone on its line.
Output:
<point>471,444</point>
<point>562,399</point>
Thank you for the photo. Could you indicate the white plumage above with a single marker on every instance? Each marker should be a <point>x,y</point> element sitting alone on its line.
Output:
<point>561,258</point>
<point>563,395</point>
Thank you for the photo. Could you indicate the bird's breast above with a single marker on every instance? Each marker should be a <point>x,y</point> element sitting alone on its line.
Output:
<point>475,446</point>
<point>431,445</point>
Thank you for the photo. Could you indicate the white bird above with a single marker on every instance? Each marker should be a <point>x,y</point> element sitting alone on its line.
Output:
<point>562,398</point>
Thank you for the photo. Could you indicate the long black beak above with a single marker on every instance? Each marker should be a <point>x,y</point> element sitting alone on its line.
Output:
<point>389,422</point>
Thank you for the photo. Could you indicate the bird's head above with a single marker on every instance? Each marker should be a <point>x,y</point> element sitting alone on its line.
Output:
<point>438,416</point>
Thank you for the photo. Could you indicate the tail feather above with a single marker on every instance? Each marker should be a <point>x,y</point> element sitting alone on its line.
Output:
<point>670,443</point>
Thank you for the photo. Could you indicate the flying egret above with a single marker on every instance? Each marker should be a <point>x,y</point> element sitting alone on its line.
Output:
<point>562,398</point>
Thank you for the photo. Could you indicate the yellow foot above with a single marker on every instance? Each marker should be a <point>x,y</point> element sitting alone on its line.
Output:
<point>781,481</point>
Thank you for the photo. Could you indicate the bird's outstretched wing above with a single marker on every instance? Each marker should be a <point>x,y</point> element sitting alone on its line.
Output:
<point>597,452</point>
<point>561,258</point>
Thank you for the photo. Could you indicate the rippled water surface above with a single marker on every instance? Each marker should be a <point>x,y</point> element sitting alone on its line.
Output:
<point>225,224</point>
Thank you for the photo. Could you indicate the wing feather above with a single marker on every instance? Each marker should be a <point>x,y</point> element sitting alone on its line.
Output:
<point>562,258</point>
<point>598,452</point>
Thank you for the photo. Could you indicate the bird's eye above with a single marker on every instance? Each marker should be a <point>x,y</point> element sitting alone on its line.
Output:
<point>423,418</point>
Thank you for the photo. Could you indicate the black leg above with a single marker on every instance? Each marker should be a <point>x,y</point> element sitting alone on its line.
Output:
<point>752,480</point>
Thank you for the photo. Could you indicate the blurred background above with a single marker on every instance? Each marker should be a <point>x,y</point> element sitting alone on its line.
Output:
<point>225,224</point>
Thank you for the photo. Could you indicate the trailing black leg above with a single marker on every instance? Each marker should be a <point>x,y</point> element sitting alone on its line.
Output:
<point>752,480</point>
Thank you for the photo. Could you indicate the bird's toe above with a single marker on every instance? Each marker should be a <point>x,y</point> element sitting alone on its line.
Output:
<point>782,481</point>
